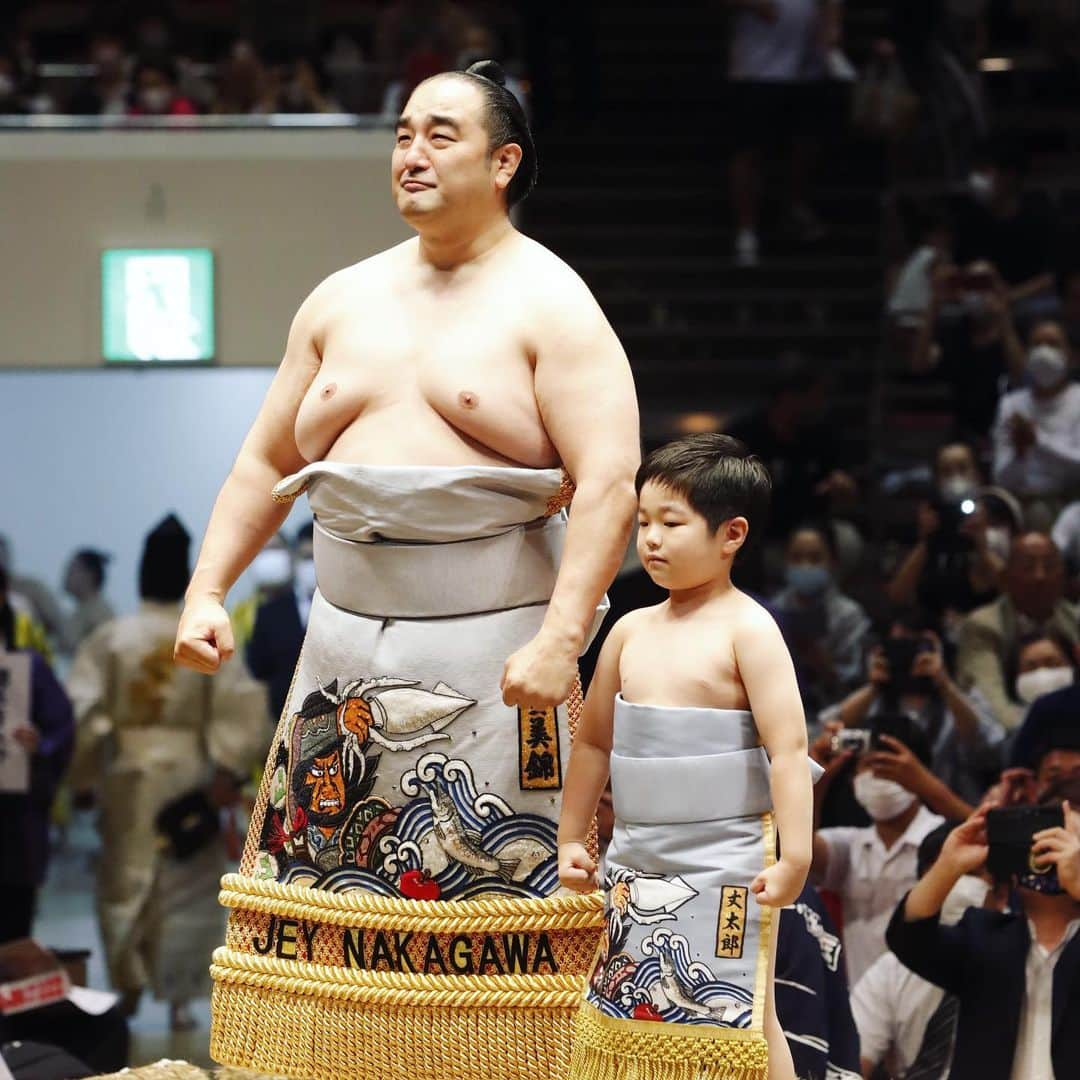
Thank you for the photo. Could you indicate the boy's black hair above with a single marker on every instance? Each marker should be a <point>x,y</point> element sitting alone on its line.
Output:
<point>931,845</point>
<point>95,562</point>
<point>716,474</point>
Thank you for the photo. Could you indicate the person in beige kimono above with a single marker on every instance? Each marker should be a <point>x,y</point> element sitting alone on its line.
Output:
<point>157,733</point>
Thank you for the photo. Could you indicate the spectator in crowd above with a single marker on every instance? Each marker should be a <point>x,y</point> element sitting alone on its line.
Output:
<point>84,582</point>
<point>990,636</point>
<point>1011,972</point>
<point>180,744</point>
<point>793,438</point>
<point>825,630</point>
<point>911,294</point>
<point>45,734</point>
<point>1011,228</point>
<point>903,1020</point>
<point>155,90</point>
<point>109,92</point>
<point>1046,683</point>
<point>871,867</point>
<point>957,562</point>
<point>244,84</point>
<point>812,992</point>
<point>1066,534</point>
<point>32,599</point>
<point>778,50</point>
<point>969,337</point>
<point>301,88</point>
<point>274,648</point>
<point>1037,431</point>
<point>963,737</point>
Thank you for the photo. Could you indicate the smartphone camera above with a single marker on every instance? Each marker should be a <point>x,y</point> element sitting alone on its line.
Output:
<point>856,740</point>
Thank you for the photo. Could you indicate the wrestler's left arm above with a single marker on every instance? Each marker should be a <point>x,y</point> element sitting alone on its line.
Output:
<point>586,396</point>
<point>768,674</point>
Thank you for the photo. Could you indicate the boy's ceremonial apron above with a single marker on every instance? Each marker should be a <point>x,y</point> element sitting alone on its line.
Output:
<point>398,911</point>
<point>677,991</point>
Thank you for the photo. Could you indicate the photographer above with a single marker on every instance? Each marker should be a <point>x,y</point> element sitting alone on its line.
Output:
<point>907,676</point>
<point>958,561</point>
<point>871,867</point>
<point>1012,972</point>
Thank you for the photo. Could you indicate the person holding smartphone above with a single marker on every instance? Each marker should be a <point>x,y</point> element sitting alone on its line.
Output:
<point>1012,972</point>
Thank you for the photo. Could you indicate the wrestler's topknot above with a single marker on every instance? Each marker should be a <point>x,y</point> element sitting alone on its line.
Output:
<point>506,123</point>
<point>716,474</point>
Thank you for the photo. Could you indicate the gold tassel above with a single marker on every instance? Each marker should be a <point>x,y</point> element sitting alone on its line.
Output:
<point>605,1050</point>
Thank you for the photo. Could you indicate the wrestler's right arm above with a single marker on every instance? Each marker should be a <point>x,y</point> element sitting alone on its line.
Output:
<point>245,516</point>
<point>587,770</point>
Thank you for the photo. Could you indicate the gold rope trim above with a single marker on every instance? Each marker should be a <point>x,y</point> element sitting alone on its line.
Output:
<point>359,910</point>
<point>395,989</point>
<point>609,1049</point>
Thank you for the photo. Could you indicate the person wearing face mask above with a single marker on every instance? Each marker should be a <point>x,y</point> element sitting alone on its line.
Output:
<point>1013,972</point>
<point>902,1019</point>
<point>1046,682</point>
<point>1033,602</point>
<point>825,630</point>
<point>956,564</point>
<point>1037,430</point>
<point>287,579</point>
<point>871,867</point>
<point>154,83</point>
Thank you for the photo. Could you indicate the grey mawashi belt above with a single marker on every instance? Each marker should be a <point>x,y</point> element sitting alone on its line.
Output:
<point>707,788</point>
<point>513,569</point>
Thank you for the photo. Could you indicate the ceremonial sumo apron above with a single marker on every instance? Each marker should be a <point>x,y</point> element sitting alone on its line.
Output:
<point>398,912</point>
<point>677,991</point>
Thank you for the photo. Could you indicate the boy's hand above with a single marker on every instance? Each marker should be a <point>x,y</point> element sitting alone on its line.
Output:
<point>577,870</point>
<point>779,885</point>
<point>1061,847</point>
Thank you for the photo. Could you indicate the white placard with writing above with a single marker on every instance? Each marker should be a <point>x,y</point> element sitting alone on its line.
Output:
<point>14,714</point>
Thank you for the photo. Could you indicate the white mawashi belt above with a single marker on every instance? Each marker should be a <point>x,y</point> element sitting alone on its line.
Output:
<point>383,579</point>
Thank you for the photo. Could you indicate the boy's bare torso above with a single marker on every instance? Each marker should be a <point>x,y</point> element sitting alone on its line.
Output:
<point>422,367</point>
<point>685,660</point>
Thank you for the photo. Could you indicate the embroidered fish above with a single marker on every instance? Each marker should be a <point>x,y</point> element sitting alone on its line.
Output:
<point>678,995</point>
<point>460,843</point>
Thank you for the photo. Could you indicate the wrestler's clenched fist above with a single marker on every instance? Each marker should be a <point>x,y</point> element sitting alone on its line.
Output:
<point>204,639</point>
<point>540,674</point>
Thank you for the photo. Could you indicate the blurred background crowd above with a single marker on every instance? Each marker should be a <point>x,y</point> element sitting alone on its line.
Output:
<point>847,234</point>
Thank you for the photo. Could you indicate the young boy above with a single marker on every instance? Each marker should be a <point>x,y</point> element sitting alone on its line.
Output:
<point>685,696</point>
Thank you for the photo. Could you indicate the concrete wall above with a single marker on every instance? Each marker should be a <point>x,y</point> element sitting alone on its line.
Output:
<point>280,209</point>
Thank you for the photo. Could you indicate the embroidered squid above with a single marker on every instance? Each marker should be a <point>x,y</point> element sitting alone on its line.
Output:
<point>395,713</point>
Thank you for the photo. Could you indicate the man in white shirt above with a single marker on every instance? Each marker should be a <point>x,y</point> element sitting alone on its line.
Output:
<point>903,1020</point>
<point>1037,430</point>
<point>871,868</point>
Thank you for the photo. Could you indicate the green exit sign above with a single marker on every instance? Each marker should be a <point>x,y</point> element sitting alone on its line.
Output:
<point>157,304</point>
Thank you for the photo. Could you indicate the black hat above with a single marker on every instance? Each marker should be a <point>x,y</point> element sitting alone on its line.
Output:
<point>163,571</point>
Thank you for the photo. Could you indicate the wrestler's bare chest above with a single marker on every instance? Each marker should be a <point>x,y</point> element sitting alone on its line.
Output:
<point>427,373</point>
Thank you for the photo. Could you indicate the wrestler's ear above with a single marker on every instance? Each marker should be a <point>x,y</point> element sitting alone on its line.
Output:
<point>505,162</point>
<point>734,533</point>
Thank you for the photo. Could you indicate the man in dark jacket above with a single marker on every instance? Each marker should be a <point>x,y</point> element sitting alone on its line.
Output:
<point>274,647</point>
<point>1016,974</point>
